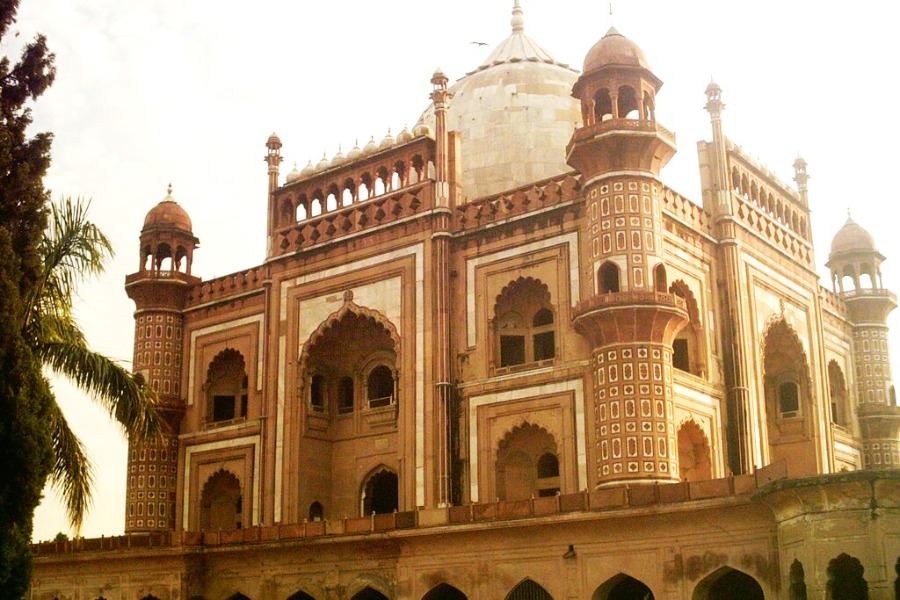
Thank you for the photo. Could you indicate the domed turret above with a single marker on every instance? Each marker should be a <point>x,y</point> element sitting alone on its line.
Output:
<point>167,238</point>
<point>614,49</point>
<point>168,214</point>
<point>852,238</point>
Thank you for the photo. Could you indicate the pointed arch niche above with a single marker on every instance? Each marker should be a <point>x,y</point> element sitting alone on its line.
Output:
<point>528,589</point>
<point>527,464</point>
<point>221,503</point>
<point>788,404</point>
<point>525,326</point>
<point>444,591</point>
<point>347,389</point>
<point>727,583</point>
<point>688,349</point>
<point>623,587</point>
<point>694,454</point>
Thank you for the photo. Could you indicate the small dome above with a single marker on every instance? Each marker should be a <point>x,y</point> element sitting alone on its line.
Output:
<point>851,239</point>
<point>404,136</point>
<point>422,129</point>
<point>387,142</point>
<point>323,164</point>
<point>168,214</point>
<point>614,49</point>
<point>371,146</point>
<point>355,152</point>
<point>293,176</point>
<point>309,169</point>
<point>273,140</point>
<point>338,158</point>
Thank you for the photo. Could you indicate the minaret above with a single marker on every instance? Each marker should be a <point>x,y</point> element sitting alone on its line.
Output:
<point>444,391</point>
<point>159,290</point>
<point>273,158</point>
<point>628,315</point>
<point>718,203</point>
<point>855,260</point>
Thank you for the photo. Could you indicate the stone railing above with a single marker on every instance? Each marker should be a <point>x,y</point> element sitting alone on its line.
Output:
<point>630,298</point>
<point>685,211</point>
<point>608,125</point>
<point>531,198</point>
<point>774,232</point>
<point>358,217</point>
<point>228,285</point>
<point>618,498</point>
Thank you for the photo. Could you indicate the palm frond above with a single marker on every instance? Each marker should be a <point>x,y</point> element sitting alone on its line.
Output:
<point>73,249</point>
<point>72,474</point>
<point>112,386</point>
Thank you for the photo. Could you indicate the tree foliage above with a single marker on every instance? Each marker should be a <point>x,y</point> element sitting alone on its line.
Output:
<point>25,398</point>
<point>45,251</point>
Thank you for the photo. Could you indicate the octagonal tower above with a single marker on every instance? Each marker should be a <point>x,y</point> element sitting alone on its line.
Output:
<point>628,316</point>
<point>855,266</point>
<point>159,290</point>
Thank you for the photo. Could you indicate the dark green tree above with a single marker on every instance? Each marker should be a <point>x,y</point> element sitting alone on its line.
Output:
<point>25,398</point>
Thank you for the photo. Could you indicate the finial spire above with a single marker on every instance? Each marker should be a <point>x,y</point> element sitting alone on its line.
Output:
<point>169,189</point>
<point>518,20</point>
<point>611,22</point>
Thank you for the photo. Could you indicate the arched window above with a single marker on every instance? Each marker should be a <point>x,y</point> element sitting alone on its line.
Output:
<point>226,387</point>
<point>602,106</point>
<point>524,323</point>
<point>380,387</point>
<point>686,348</point>
<point>221,504</point>
<point>608,278</point>
<point>380,493</point>
<point>788,399</point>
<point>628,104</point>
<point>316,511</point>
<point>317,393</point>
<point>345,396</point>
<point>659,278</point>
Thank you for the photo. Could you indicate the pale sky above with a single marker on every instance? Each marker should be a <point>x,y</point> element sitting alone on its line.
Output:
<point>187,92</point>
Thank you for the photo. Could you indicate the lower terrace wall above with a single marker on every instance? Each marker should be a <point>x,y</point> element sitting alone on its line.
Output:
<point>675,539</point>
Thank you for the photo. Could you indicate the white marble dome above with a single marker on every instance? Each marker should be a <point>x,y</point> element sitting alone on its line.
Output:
<point>515,114</point>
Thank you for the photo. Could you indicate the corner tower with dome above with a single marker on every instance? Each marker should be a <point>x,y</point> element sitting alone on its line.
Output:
<point>159,289</point>
<point>497,356</point>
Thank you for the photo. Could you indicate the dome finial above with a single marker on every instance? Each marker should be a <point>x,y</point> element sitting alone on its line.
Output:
<point>518,20</point>
<point>169,190</point>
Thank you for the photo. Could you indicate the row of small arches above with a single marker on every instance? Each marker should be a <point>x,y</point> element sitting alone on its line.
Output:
<point>724,584</point>
<point>352,190</point>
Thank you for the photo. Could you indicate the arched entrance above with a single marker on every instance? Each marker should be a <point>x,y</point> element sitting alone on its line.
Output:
<point>728,584</point>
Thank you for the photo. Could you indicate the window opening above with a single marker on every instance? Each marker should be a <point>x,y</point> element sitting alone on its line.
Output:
<point>380,387</point>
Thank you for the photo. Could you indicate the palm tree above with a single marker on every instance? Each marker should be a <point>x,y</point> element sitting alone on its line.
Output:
<point>73,249</point>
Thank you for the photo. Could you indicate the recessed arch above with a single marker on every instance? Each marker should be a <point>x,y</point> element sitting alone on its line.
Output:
<point>221,502</point>
<point>300,595</point>
<point>349,308</point>
<point>369,593</point>
<point>726,583</point>
<point>528,589</point>
<point>527,464</point>
<point>622,587</point>
<point>444,591</point>
<point>846,579</point>
<point>380,491</point>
